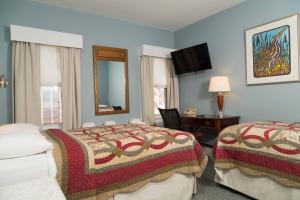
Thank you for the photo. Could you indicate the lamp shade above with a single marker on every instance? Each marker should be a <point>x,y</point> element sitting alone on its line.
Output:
<point>219,84</point>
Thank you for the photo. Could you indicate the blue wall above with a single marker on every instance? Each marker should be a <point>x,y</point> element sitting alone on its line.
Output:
<point>95,30</point>
<point>224,34</point>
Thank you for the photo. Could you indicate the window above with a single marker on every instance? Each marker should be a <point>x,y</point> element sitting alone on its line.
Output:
<point>51,106</point>
<point>160,86</point>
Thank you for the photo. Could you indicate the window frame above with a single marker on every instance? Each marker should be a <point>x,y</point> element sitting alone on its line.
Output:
<point>51,107</point>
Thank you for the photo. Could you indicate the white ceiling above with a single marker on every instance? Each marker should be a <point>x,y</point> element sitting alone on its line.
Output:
<point>164,14</point>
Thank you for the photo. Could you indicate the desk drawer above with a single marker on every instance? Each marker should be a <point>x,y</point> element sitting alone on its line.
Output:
<point>204,122</point>
<point>198,122</point>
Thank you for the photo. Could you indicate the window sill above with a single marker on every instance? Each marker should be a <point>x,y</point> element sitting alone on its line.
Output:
<point>48,126</point>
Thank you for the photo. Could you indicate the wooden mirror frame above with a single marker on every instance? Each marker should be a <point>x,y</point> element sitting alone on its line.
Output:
<point>110,54</point>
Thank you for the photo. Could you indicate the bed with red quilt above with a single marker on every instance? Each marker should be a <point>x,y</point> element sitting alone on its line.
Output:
<point>106,160</point>
<point>265,150</point>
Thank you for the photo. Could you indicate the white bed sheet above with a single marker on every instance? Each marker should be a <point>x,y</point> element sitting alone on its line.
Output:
<point>37,189</point>
<point>177,187</point>
<point>261,188</point>
<point>16,170</point>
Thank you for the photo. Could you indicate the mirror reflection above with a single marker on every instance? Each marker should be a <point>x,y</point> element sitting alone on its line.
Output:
<point>111,85</point>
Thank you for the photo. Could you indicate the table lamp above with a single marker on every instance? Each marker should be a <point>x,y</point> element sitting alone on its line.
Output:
<point>219,84</point>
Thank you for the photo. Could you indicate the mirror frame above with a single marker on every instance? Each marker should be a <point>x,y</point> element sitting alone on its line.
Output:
<point>110,54</point>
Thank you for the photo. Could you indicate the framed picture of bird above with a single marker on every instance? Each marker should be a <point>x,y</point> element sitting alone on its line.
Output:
<point>272,52</point>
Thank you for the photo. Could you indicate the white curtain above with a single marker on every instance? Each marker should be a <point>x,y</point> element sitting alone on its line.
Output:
<point>147,95</point>
<point>172,86</point>
<point>71,91</point>
<point>26,82</point>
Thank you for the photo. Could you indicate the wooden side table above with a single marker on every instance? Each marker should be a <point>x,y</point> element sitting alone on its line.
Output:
<point>210,121</point>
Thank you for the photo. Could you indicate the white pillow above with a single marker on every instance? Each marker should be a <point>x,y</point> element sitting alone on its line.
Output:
<point>14,144</point>
<point>20,128</point>
<point>109,123</point>
<point>136,121</point>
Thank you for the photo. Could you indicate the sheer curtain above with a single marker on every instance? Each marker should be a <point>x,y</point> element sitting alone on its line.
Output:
<point>71,91</point>
<point>172,86</point>
<point>26,82</point>
<point>147,96</point>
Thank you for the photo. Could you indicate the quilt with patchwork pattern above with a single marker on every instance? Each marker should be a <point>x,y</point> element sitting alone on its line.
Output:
<point>106,160</point>
<point>264,148</point>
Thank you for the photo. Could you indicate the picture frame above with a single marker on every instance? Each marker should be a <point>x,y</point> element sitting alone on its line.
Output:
<point>272,51</point>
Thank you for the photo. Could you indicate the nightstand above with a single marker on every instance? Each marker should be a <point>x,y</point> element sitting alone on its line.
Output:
<point>210,121</point>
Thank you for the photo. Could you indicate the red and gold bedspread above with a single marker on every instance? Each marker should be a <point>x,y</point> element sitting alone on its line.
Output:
<point>264,148</point>
<point>106,160</point>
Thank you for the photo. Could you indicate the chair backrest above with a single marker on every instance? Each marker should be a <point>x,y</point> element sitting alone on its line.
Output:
<point>171,118</point>
<point>117,107</point>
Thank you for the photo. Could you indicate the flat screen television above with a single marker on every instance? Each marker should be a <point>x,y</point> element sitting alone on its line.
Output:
<point>191,59</point>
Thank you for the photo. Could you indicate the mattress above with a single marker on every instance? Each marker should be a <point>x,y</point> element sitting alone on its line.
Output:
<point>257,187</point>
<point>16,170</point>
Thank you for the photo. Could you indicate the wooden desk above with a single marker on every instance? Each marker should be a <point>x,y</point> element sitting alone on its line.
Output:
<point>210,121</point>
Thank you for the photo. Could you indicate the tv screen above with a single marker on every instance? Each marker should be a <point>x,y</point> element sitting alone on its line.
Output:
<point>191,59</point>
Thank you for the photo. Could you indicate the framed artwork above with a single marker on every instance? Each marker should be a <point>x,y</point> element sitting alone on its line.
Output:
<point>272,52</point>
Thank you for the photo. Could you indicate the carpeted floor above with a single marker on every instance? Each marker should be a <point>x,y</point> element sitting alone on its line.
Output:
<point>207,189</point>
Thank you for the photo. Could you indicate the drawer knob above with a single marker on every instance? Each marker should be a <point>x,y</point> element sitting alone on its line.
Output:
<point>207,122</point>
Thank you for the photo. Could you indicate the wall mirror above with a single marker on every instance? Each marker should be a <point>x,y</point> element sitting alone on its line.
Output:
<point>110,80</point>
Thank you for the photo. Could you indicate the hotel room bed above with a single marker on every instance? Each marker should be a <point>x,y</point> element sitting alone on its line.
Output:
<point>127,162</point>
<point>260,159</point>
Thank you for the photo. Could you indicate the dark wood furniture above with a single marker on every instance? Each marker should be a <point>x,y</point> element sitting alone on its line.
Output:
<point>210,121</point>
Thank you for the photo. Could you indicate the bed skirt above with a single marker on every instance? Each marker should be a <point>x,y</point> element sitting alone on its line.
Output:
<point>185,187</point>
<point>257,187</point>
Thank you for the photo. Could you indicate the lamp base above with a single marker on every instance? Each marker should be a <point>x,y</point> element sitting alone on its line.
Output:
<point>220,114</point>
<point>220,100</point>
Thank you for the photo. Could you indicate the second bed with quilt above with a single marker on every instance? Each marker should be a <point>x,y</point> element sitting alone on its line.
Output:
<point>260,159</point>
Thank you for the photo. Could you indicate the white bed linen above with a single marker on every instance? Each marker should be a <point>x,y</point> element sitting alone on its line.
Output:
<point>177,187</point>
<point>19,140</point>
<point>16,170</point>
<point>37,189</point>
<point>261,188</point>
